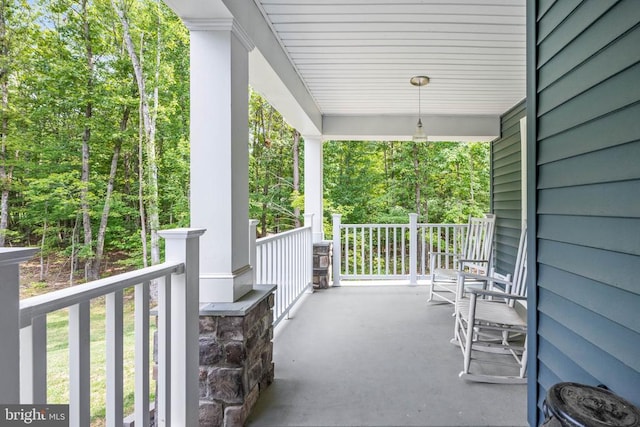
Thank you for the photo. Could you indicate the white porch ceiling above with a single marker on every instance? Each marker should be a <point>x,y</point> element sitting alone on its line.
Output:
<point>347,64</point>
<point>356,56</point>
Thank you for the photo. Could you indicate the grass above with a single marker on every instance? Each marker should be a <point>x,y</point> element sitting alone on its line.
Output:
<point>58,357</point>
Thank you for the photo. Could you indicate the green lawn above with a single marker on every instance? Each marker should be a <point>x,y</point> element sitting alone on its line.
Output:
<point>58,358</point>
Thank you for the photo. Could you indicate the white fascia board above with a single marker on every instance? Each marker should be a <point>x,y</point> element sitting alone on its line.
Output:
<point>400,128</point>
<point>265,80</point>
<point>271,73</point>
<point>189,10</point>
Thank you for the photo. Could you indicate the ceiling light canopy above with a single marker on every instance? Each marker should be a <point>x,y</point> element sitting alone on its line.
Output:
<point>419,135</point>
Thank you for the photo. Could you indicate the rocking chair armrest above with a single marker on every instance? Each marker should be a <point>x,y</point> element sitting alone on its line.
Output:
<point>496,294</point>
<point>463,260</point>
<point>483,277</point>
<point>474,276</point>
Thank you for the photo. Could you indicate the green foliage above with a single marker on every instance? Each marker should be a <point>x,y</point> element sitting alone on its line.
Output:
<point>382,182</point>
<point>48,92</point>
<point>48,97</point>
<point>272,198</point>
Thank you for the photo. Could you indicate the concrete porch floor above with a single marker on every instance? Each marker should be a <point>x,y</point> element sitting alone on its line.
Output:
<point>377,356</point>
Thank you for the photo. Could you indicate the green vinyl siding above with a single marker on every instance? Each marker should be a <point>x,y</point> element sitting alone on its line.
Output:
<point>585,75</point>
<point>506,188</point>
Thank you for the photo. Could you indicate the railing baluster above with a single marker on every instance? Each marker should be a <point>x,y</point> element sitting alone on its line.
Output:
<point>114,331</point>
<point>378,260</point>
<point>287,268</point>
<point>438,236</point>
<point>422,251</point>
<point>79,367</point>
<point>354,259</point>
<point>386,250</point>
<point>362,250</point>
<point>395,252</point>
<point>33,362</point>
<point>164,353</point>
<point>370,251</point>
<point>141,358</point>
<point>346,250</point>
<point>403,245</point>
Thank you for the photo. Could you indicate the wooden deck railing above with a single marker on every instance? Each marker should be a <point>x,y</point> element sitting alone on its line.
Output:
<point>392,251</point>
<point>23,357</point>
<point>361,251</point>
<point>286,259</point>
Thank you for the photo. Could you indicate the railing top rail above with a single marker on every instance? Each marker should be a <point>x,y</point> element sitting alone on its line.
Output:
<point>434,224</point>
<point>282,235</point>
<point>343,225</point>
<point>63,298</point>
<point>422,224</point>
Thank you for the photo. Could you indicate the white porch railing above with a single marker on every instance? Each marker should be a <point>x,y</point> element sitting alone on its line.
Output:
<point>23,358</point>
<point>392,251</point>
<point>286,259</point>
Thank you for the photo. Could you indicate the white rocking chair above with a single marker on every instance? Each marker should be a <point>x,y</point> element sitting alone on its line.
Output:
<point>496,323</point>
<point>474,258</point>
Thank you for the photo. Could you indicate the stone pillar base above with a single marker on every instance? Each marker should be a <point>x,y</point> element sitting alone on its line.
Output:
<point>236,357</point>
<point>321,265</point>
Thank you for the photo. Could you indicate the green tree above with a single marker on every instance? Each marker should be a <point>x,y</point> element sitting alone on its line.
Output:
<point>272,159</point>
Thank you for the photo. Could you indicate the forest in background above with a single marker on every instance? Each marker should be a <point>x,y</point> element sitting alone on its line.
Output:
<point>94,149</point>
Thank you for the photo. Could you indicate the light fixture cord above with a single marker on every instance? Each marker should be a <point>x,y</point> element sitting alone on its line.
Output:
<point>419,103</point>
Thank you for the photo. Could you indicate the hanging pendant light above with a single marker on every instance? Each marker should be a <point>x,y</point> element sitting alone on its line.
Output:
<point>419,135</point>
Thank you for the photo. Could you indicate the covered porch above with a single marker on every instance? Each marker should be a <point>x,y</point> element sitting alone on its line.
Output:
<point>377,355</point>
<point>380,356</point>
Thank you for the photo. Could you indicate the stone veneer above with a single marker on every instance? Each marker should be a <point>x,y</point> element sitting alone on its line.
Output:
<point>321,265</point>
<point>236,357</point>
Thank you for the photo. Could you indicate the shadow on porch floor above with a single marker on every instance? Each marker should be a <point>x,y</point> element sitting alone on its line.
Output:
<point>377,356</point>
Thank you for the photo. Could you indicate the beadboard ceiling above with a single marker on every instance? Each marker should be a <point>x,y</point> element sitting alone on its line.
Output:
<point>356,56</point>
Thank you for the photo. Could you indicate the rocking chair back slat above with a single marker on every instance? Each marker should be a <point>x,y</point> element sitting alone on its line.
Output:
<point>519,283</point>
<point>475,258</point>
<point>479,239</point>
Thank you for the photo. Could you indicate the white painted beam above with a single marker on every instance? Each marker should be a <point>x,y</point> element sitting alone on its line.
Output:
<point>266,81</point>
<point>400,128</point>
<point>271,73</point>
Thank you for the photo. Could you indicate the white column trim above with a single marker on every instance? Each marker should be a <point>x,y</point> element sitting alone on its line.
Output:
<point>219,158</point>
<point>523,169</point>
<point>221,24</point>
<point>313,186</point>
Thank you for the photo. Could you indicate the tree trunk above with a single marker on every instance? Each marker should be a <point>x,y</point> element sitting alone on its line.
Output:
<point>72,259</point>
<point>42,242</point>
<point>86,136</point>
<point>141,209</point>
<point>5,172</point>
<point>149,122</point>
<point>154,200</point>
<point>296,175</point>
<point>107,198</point>
<point>471,187</point>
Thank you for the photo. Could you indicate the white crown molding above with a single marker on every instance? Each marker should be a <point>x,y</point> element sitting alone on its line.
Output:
<point>221,24</point>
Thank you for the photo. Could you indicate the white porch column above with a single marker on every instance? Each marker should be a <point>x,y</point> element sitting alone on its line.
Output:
<point>313,184</point>
<point>219,156</point>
